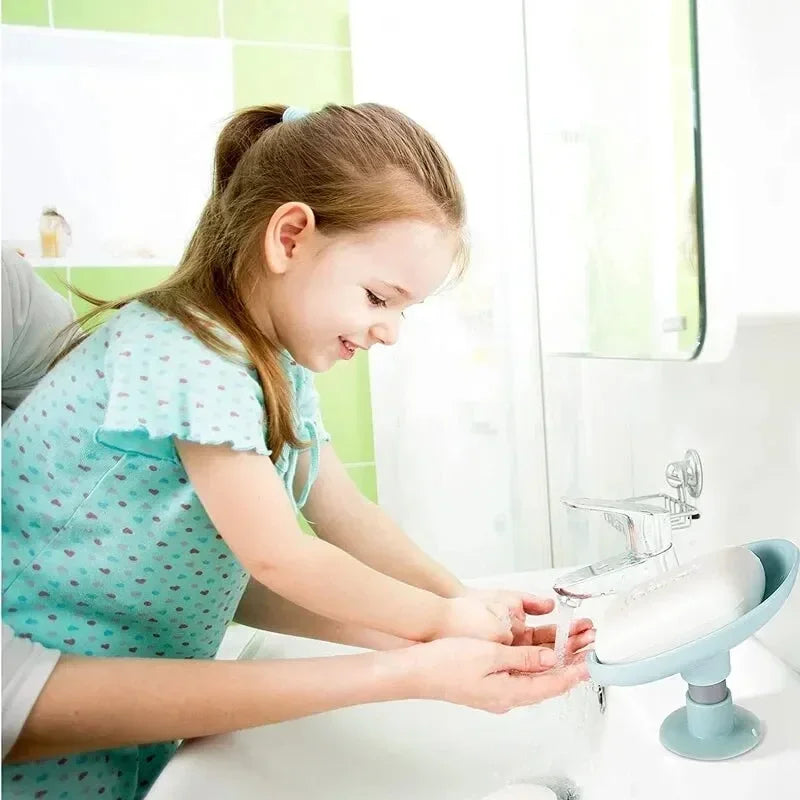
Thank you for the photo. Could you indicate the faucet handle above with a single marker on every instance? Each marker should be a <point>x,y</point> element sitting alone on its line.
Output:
<point>646,522</point>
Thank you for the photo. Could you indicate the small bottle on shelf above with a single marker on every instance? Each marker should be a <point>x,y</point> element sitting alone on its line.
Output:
<point>54,233</point>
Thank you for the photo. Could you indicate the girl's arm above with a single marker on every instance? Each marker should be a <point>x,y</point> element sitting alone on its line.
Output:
<point>98,703</point>
<point>341,515</point>
<point>261,608</point>
<point>92,703</point>
<point>247,503</point>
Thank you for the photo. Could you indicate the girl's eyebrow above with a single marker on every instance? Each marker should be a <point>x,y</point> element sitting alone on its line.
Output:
<point>398,289</point>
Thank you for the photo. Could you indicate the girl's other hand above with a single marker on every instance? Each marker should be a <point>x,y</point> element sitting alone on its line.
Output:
<point>581,634</point>
<point>487,675</point>
<point>521,604</point>
<point>477,618</point>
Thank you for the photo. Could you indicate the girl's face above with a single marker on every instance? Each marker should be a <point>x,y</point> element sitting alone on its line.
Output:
<point>325,297</point>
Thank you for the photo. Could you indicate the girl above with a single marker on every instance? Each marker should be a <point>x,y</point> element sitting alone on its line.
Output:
<point>152,480</point>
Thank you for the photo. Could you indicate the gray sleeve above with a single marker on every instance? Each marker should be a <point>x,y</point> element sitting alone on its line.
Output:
<point>33,316</point>
<point>27,667</point>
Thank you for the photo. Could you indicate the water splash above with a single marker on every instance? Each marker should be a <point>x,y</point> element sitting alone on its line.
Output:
<point>565,610</point>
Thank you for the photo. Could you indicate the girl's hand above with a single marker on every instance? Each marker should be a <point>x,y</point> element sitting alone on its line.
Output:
<point>582,632</point>
<point>488,676</point>
<point>478,619</point>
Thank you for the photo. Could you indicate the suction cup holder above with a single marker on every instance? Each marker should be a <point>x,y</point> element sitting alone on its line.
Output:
<point>710,727</point>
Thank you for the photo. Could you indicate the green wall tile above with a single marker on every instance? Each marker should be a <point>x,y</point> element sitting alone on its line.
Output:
<point>365,477</point>
<point>301,21</point>
<point>346,409</point>
<point>181,17</point>
<point>294,76</point>
<point>110,283</point>
<point>54,277</point>
<point>25,12</point>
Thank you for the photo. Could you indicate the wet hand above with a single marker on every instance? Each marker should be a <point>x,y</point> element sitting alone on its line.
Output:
<point>479,619</point>
<point>489,676</point>
<point>582,631</point>
<point>581,634</point>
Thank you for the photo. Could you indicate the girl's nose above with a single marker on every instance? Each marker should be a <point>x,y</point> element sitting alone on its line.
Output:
<point>387,331</point>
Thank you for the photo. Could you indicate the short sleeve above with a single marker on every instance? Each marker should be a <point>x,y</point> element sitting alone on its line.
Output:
<point>164,383</point>
<point>308,407</point>
<point>27,667</point>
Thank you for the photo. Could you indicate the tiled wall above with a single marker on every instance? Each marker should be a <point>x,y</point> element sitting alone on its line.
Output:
<point>295,53</point>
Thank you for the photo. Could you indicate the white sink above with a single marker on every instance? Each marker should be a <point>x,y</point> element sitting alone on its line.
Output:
<point>435,751</point>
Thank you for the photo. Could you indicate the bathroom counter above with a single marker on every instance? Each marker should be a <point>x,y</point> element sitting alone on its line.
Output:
<point>437,751</point>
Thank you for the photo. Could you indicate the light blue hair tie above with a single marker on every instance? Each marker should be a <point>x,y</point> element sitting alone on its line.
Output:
<point>293,113</point>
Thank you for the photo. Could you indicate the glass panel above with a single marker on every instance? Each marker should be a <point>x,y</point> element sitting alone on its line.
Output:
<point>614,141</point>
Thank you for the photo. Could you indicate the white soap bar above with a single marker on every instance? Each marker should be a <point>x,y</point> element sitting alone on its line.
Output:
<point>680,606</point>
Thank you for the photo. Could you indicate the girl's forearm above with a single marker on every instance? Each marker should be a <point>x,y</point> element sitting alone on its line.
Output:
<point>239,491</point>
<point>262,608</point>
<point>101,703</point>
<point>303,571</point>
<point>374,538</point>
<point>340,514</point>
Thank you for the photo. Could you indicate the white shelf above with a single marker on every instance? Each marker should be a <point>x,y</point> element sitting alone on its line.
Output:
<point>98,261</point>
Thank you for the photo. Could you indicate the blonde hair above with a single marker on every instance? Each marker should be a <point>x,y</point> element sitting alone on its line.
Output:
<point>354,166</point>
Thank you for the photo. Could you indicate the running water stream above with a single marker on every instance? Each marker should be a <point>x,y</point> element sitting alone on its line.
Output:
<point>565,609</point>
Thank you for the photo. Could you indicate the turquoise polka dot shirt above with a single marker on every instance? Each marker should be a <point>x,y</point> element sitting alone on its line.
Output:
<point>107,550</point>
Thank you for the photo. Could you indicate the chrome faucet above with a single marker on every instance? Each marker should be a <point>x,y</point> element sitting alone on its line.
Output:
<point>646,522</point>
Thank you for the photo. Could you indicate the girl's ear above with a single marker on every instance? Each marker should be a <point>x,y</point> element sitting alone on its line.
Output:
<point>289,228</point>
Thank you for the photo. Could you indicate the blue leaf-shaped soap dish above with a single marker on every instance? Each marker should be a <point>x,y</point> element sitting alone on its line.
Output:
<point>710,727</point>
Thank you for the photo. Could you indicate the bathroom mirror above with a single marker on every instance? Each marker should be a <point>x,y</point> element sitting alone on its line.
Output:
<point>615,151</point>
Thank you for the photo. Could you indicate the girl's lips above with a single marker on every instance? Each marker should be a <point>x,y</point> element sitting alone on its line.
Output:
<point>346,349</point>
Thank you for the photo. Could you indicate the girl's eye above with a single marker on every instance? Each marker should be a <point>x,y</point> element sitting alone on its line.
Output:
<point>375,300</point>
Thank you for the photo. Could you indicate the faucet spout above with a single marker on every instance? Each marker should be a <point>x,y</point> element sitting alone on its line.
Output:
<point>606,577</point>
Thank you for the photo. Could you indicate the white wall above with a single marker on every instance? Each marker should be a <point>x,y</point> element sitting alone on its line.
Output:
<point>613,426</point>
<point>756,43</point>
